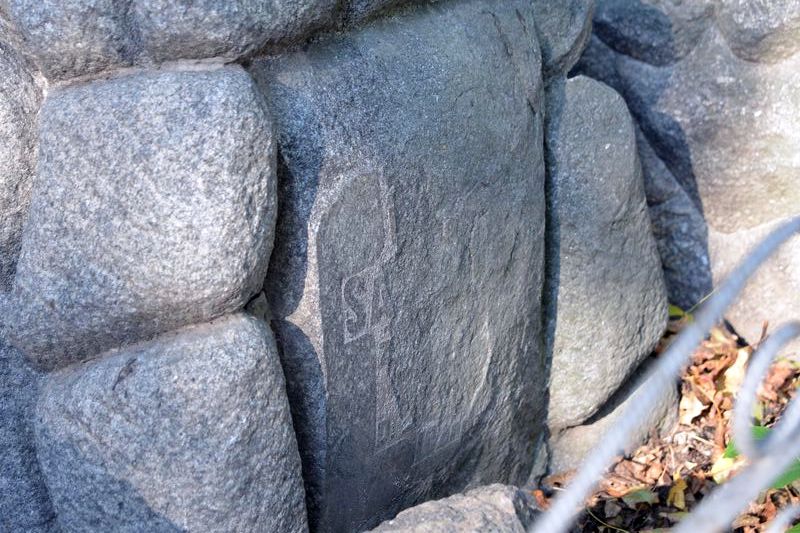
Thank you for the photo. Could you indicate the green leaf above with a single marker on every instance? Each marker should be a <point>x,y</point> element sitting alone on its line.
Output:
<point>640,496</point>
<point>794,529</point>
<point>760,433</point>
<point>788,477</point>
<point>677,312</point>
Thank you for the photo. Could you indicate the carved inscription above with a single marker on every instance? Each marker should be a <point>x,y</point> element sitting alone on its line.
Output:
<point>366,312</point>
<point>365,305</point>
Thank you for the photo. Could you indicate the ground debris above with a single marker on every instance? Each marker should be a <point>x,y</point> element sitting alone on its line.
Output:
<point>662,481</point>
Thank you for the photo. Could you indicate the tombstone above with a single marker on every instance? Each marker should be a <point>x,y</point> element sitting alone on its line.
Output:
<point>406,278</point>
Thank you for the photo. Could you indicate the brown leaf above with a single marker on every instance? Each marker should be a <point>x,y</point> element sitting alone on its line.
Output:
<point>541,500</point>
<point>734,375</point>
<point>776,379</point>
<point>690,408</point>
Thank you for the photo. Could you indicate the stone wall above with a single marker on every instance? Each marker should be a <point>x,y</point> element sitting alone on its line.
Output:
<point>286,265</point>
<point>715,89</point>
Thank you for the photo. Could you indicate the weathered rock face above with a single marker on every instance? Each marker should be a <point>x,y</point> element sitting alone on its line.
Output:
<point>191,431</point>
<point>564,28</point>
<point>495,508</point>
<point>407,271</point>
<point>569,448</point>
<point>70,38</point>
<point>153,208</point>
<point>679,228</point>
<point>24,502</point>
<point>761,31</point>
<point>356,10</point>
<point>19,102</point>
<point>720,115</point>
<point>658,32</point>
<point>607,304</point>
<point>230,29</point>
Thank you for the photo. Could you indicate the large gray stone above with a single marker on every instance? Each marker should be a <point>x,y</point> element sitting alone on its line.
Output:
<point>607,305</point>
<point>71,38</point>
<point>569,448</point>
<point>770,296</point>
<point>19,103</point>
<point>564,28</point>
<point>153,208</point>
<point>724,127</point>
<point>190,432</point>
<point>231,29</point>
<point>655,31</point>
<point>494,508</point>
<point>727,122</point>
<point>24,501</point>
<point>675,208</point>
<point>407,271</point>
<point>766,31</point>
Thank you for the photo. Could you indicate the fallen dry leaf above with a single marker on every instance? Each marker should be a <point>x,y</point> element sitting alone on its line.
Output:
<point>690,408</point>
<point>661,482</point>
<point>640,495</point>
<point>541,500</point>
<point>676,495</point>
<point>734,375</point>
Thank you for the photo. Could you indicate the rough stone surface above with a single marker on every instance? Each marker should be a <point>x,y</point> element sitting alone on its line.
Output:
<point>408,260</point>
<point>75,37</point>
<point>494,508</point>
<point>24,502</point>
<point>569,448</point>
<point>356,10</point>
<point>726,124</point>
<point>658,32</point>
<point>564,28</point>
<point>70,38</point>
<point>190,432</point>
<point>770,295</point>
<point>607,304</point>
<point>229,29</point>
<point>761,30</point>
<point>19,102</point>
<point>721,118</point>
<point>153,208</point>
<point>679,228</point>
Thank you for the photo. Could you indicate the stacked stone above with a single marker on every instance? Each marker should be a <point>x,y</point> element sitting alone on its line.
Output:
<point>24,503</point>
<point>409,325</point>
<point>606,305</point>
<point>150,227</point>
<point>414,156</point>
<point>715,89</point>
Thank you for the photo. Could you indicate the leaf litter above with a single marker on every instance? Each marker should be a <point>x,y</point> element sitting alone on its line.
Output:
<point>661,482</point>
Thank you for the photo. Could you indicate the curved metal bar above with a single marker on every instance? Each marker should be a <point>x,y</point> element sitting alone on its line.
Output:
<point>562,514</point>
<point>748,393</point>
